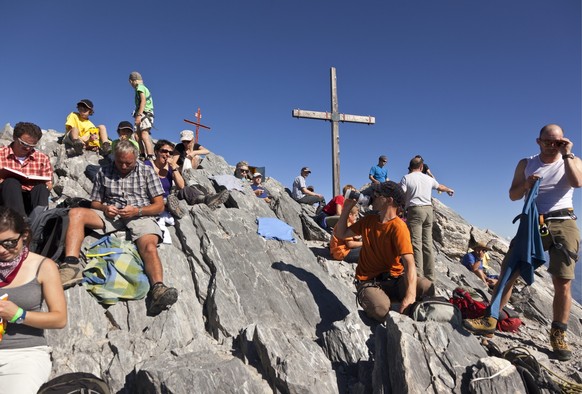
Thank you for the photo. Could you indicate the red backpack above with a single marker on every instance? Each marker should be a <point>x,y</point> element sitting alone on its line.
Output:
<point>470,309</point>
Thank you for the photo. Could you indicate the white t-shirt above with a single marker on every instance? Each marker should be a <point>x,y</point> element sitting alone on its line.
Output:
<point>418,188</point>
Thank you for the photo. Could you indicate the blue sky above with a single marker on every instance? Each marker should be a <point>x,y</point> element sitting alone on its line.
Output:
<point>467,85</point>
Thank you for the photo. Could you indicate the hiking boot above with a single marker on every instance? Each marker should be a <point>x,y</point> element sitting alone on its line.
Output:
<point>559,345</point>
<point>70,272</point>
<point>214,200</point>
<point>105,148</point>
<point>78,147</point>
<point>485,325</point>
<point>160,298</point>
<point>173,206</point>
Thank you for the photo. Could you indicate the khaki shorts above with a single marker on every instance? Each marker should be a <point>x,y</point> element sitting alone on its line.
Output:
<point>138,227</point>
<point>565,232</point>
<point>146,123</point>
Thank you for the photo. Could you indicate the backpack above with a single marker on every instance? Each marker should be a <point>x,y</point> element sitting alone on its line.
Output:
<point>436,309</point>
<point>48,232</point>
<point>75,383</point>
<point>507,321</point>
<point>470,308</point>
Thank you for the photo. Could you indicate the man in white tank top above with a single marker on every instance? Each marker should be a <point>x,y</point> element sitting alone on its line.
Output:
<point>560,172</point>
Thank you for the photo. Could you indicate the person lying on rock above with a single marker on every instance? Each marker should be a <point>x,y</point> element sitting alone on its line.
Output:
<point>126,195</point>
<point>386,271</point>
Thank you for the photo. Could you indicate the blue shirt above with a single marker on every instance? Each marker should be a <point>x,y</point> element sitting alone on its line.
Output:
<point>469,259</point>
<point>379,173</point>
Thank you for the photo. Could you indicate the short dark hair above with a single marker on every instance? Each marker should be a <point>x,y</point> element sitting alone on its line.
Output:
<point>13,221</point>
<point>162,143</point>
<point>391,189</point>
<point>31,129</point>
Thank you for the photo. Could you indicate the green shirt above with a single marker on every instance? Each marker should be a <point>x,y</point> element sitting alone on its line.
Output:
<point>149,104</point>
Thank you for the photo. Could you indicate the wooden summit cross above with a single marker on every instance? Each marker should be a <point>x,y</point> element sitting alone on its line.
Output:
<point>197,124</point>
<point>334,117</point>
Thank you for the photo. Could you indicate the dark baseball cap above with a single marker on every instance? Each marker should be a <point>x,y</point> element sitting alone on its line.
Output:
<point>87,103</point>
<point>305,169</point>
<point>124,124</point>
<point>382,158</point>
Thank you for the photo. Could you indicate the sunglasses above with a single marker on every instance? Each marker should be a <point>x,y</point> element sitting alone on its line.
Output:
<point>549,143</point>
<point>165,151</point>
<point>243,170</point>
<point>9,244</point>
<point>82,108</point>
<point>25,145</point>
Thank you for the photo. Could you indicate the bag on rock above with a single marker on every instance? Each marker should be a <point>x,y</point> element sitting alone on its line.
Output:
<point>75,383</point>
<point>436,309</point>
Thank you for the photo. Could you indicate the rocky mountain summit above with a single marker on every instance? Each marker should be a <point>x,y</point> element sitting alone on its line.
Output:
<point>262,316</point>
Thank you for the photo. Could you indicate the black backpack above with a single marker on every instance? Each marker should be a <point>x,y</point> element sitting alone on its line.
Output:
<point>49,228</point>
<point>75,383</point>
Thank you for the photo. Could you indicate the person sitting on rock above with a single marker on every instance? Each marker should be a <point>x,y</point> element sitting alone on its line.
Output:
<point>81,134</point>
<point>347,249</point>
<point>302,194</point>
<point>386,270</point>
<point>166,168</point>
<point>242,171</point>
<point>330,214</point>
<point>126,195</point>
<point>125,132</point>
<point>28,281</point>
<point>260,190</point>
<point>473,261</point>
<point>25,192</point>
<point>187,153</point>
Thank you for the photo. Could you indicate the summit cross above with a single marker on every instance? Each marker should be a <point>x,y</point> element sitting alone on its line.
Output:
<point>334,117</point>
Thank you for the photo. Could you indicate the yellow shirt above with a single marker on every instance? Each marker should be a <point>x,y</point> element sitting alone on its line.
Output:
<point>85,127</point>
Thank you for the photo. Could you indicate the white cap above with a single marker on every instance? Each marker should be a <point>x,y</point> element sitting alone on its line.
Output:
<point>186,135</point>
<point>256,174</point>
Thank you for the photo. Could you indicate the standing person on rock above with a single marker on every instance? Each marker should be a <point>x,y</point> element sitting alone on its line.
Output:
<point>143,114</point>
<point>419,217</point>
<point>386,268</point>
<point>560,172</point>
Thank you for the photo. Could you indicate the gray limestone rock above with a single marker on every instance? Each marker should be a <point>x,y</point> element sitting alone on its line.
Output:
<point>256,315</point>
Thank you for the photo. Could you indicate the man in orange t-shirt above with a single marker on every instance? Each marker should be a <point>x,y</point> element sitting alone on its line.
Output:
<point>386,269</point>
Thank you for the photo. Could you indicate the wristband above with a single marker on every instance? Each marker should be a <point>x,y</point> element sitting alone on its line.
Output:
<point>139,212</point>
<point>17,315</point>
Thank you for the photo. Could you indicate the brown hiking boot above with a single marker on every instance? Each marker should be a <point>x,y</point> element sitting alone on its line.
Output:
<point>559,345</point>
<point>214,200</point>
<point>485,325</point>
<point>160,298</point>
<point>70,272</point>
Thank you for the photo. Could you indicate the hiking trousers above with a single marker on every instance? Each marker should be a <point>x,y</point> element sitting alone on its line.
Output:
<point>419,220</point>
<point>20,200</point>
<point>375,296</point>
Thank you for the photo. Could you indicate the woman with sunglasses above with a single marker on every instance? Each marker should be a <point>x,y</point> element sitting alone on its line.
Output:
<point>166,167</point>
<point>26,280</point>
<point>242,171</point>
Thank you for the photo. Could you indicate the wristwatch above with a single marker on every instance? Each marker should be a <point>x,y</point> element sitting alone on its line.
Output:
<point>568,156</point>
<point>20,320</point>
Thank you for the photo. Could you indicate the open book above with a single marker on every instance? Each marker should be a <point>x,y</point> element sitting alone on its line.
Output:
<point>7,172</point>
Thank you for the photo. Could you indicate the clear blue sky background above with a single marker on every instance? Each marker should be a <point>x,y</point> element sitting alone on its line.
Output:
<point>467,84</point>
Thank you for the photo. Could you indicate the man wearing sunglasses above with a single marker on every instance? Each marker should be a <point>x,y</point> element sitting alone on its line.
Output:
<point>386,271</point>
<point>560,172</point>
<point>25,173</point>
